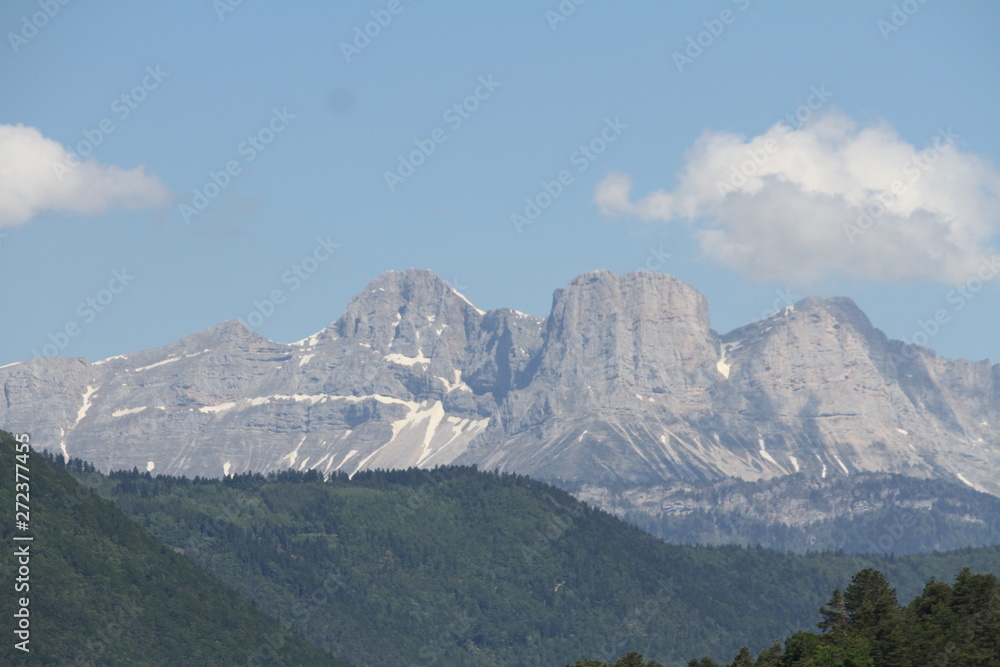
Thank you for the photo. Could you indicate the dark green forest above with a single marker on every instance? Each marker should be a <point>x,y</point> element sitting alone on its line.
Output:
<point>451,566</point>
<point>865,626</point>
<point>102,591</point>
<point>455,566</point>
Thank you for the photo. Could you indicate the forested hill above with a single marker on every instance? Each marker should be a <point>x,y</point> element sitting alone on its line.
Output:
<point>459,567</point>
<point>865,626</point>
<point>102,591</point>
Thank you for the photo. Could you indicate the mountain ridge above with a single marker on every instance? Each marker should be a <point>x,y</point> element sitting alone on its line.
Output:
<point>624,383</point>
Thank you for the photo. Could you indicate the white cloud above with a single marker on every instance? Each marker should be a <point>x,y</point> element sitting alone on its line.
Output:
<point>829,198</point>
<point>37,174</point>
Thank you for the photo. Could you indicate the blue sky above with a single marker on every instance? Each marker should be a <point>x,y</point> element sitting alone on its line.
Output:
<point>300,120</point>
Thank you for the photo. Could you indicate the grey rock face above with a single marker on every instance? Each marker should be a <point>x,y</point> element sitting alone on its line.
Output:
<point>624,384</point>
<point>863,513</point>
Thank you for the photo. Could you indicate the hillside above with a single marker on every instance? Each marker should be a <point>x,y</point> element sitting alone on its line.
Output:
<point>460,567</point>
<point>865,626</point>
<point>103,591</point>
<point>862,513</point>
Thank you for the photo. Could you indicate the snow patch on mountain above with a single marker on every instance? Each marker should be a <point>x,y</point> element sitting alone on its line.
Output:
<point>82,412</point>
<point>407,361</point>
<point>463,298</point>
<point>346,458</point>
<point>157,364</point>
<point>308,341</point>
<point>100,362</point>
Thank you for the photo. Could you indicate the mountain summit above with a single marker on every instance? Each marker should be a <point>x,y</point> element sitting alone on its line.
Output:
<point>624,383</point>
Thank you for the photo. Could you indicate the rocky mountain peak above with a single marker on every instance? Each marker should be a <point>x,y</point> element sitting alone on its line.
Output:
<point>639,331</point>
<point>231,333</point>
<point>623,382</point>
<point>399,307</point>
<point>841,309</point>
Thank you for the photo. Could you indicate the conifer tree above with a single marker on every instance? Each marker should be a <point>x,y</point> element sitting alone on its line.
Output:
<point>743,658</point>
<point>835,614</point>
<point>869,599</point>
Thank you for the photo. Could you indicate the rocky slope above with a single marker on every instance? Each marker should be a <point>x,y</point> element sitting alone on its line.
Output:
<point>862,513</point>
<point>624,384</point>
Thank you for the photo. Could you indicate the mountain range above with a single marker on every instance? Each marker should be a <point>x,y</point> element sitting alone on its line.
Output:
<point>624,385</point>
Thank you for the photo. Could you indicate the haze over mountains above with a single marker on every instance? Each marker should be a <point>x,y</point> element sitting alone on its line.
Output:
<point>624,384</point>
